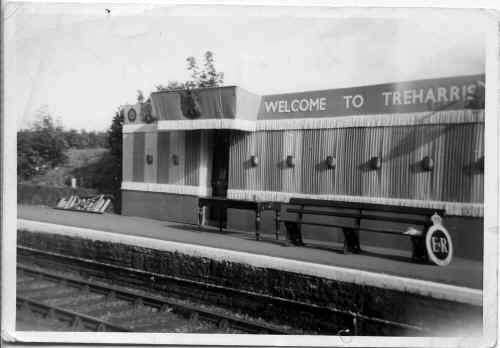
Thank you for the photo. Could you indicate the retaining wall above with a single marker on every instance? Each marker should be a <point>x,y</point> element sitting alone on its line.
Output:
<point>383,303</point>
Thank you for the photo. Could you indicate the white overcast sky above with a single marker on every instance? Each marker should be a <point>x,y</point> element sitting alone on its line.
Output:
<point>83,63</point>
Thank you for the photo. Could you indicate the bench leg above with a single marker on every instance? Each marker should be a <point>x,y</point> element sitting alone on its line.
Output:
<point>220,218</point>
<point>293,233</point>
<point>351,240</point>
<point>419,252</point>
<point>277,223</point>
<point>257,224</point>
<point>200,216</point>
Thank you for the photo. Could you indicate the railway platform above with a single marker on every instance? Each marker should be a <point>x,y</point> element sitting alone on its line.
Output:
<point>385,290</point>
<point>461,272</point>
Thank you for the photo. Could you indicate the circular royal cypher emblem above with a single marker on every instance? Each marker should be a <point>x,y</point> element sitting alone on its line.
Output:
<point>131,115</point>
<point>439,245</point>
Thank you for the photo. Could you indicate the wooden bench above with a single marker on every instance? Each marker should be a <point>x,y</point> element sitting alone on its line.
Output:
<point>354,217</point>
<point>221,204</point>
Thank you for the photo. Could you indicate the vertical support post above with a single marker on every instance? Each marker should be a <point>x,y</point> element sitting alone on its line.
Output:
<point>277,215</point>
<point>351,236</point>
<point>299,229</point>
<point>356,245</point>
<point>257,221</point>
<point>206,157</point>
<point>200,215</point>
<point>221,208</point>
<point>355,324</point>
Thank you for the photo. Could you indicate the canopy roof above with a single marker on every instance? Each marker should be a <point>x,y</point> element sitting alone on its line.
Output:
<point>232,107</point>
<point>224,107</point>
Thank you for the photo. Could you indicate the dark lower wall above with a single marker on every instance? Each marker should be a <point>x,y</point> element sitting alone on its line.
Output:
<point>466,233</point>
<point>160,206</point>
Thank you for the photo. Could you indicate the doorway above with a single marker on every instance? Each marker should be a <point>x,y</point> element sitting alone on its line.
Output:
<point>220,164</point>
<point>220,172</point>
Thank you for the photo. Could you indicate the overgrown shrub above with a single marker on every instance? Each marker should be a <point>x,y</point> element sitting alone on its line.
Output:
<point>40,148</point>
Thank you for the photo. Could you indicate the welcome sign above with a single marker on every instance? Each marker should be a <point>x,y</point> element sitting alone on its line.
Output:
<point>452,93</point>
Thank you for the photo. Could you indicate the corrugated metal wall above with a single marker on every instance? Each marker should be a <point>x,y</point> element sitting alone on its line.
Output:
<point>164,161</point>
<point>138,162</point>
<point>162,146</point>
<point>192,152</point>
<point>151,149</point>
<point>127,159</point>
<point>455,149</point>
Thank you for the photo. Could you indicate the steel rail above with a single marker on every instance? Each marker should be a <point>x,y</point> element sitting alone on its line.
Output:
<point>67,315</point>
<point>261,297</point>
<point>156,302</point>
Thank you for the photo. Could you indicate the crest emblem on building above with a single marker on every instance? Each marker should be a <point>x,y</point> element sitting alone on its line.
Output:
<point>132,115</point>
<point>147,113</point>
<point>190,105</point>
<point>438,242</point>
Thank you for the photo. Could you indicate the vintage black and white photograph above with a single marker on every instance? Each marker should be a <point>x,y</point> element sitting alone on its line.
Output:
<point>220,171</point>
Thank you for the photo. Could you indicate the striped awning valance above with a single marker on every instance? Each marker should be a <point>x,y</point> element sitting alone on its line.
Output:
<point>411,119</point>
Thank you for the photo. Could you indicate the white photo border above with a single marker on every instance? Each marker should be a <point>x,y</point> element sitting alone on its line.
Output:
<point>491,219</point>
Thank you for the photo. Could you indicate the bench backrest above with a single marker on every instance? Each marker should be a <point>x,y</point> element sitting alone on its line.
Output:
<point>366,206</point>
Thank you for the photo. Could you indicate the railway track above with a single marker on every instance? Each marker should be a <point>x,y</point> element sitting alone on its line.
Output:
<point>95,306</point>
<point>353,321</point>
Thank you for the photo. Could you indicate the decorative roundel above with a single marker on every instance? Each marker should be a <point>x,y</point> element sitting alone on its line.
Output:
<point>132,115</point>
<point>439,245</point>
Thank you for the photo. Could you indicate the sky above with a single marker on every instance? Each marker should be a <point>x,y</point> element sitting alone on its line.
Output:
<point>81,63</point>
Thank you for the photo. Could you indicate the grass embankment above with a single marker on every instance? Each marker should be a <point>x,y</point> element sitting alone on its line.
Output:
<point>77,165</point>
<point>90,167</point>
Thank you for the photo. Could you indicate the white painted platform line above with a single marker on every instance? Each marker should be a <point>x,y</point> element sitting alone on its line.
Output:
<point>414,286</point>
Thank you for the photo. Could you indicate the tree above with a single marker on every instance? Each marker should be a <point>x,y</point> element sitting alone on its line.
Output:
<point>41,147</point>
<point>171,86</point>
<point>114,172</point>
<point>83,139</point>
<point>208,76</point>
<point>73,138</point>
<point>29,161</point>
<point>140,96</point>
<point>205,77</point>
<point>115,136</point>
<point>195,73</point>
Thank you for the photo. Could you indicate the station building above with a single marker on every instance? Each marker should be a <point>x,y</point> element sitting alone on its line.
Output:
<point>417,143</point>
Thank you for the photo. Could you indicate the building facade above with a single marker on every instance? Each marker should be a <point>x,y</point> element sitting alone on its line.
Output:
<point>418,143</point>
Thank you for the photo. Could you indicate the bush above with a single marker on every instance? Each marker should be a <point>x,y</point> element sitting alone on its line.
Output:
<point>113,168</point>
<point>40,148</point>
<point>105,175</point>
<point>99,175</point>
